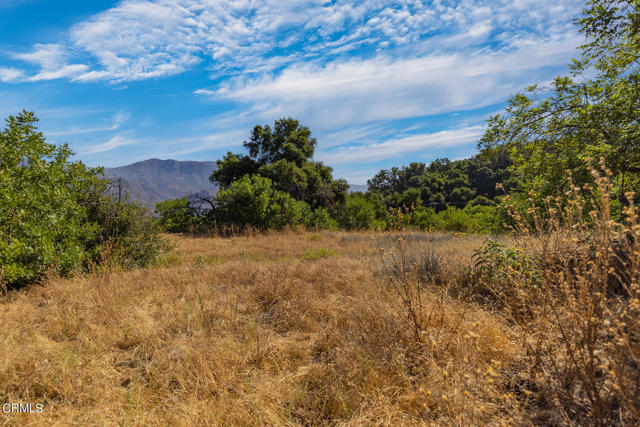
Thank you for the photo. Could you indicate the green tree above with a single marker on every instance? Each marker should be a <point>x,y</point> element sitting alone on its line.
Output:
<point>283,154</point>
<point>443,181</point>
<point>358,213</point>
<point>41,220</point>
<point>590,114</point>
<point>177,215</point>
<point>253,200</point>
<point>55,214</point>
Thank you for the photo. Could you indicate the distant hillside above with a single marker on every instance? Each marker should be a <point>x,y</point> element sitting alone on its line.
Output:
<point>154,180</point>
<point>354,188</point>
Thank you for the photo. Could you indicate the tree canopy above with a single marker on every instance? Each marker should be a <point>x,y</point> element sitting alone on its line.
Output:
<point>284,155</point>
<point>55,214</point>
<point>590,114</point>
<point>443,182</point>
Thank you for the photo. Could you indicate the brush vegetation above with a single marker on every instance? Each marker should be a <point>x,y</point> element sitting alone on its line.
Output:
<point>298,328</point>
<point>295,303</point>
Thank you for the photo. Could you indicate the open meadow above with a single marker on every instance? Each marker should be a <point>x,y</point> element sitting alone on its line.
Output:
<point>326,328</point>
<point>278,329</point>
<point>456,243</point>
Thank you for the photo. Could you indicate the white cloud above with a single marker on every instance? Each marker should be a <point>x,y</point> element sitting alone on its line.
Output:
<point>47,56</point>
<point>113,143</point>
<point>52,60</point>
<point>138,39</point>
<point>354,91</point>
<point>9,74</point>
<point>182,146</point>
<point>399,147</point>
<point>330,63</point>
<point>64,71</point>
<point>116,121</point>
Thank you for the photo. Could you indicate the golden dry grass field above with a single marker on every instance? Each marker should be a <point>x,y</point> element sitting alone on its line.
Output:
<point>276,329</point>
<point>273,329</point>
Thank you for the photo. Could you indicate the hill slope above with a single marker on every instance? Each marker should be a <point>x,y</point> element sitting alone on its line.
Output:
<point>155,180</point>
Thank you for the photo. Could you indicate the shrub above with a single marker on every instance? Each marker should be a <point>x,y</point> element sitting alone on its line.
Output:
<point>128,235</point>
<point>252,200</point>
<point>55,215</point>
<point>454,219</point>
<point>471,219</point>
<point>357,213</point>
<point>319,219</point>
<point>176,215</point>
<point>426,219</point>
<point>572,292</point>
<point>42,225</point>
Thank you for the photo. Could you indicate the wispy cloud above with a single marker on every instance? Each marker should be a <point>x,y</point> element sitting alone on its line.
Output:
<point>394,148</point>
<point>52,59</point>
<point>113,143</point>
<point>357,72</point>
<point>116,121</point>
<point>356,91</point>
<point>9,74</point>
<point>138,39</point>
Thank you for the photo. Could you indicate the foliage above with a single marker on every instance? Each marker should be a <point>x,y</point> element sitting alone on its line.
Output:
<point>319,219</point>
<point>470,219</point>
<point>41,222</point>
<point>177,215</point>
<point>54,214</point>
<point>254,200</point>
<point>571,290</point>
<point>358,213</point>
<point>128,235</point>
<point>588,115</point>
<point>283,154</point>
<point>443,182</point>
<point>505,267</point>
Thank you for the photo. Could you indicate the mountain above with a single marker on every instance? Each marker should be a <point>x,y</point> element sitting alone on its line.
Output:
<point>362,188</point>
<point>154,180</point>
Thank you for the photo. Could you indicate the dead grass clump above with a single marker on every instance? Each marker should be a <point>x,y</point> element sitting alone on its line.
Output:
<point>271,340</point>
<point>580,338</point>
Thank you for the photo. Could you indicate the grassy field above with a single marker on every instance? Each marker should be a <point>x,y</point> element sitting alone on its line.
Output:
<point>273,329</point>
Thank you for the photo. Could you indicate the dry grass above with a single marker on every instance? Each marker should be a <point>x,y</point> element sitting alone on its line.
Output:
<point>329,328</point>
<point>253,330</point>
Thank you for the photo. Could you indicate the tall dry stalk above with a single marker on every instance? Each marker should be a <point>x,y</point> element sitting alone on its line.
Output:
<point>581,324</point>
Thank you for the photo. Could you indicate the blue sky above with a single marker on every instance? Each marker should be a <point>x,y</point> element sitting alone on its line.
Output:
<point>380,83</point>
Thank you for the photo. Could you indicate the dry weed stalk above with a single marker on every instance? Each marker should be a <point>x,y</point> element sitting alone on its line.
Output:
<point>581,329</point>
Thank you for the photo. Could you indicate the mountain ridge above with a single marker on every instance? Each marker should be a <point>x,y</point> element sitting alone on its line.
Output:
<point>155,180</point>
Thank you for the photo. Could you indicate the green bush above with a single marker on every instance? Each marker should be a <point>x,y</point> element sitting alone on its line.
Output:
<point>177,215</point>
<point>128,235</point>
<point>454,219</point>
<point>471,219</point>
<point>483,219</point>
<point>319,219</point>
<point>357,213</point>
<point>55,215</point>
<point>501,264</point>
<point>42,225</point>
<point>426,219</point>
<point>252,200</point>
